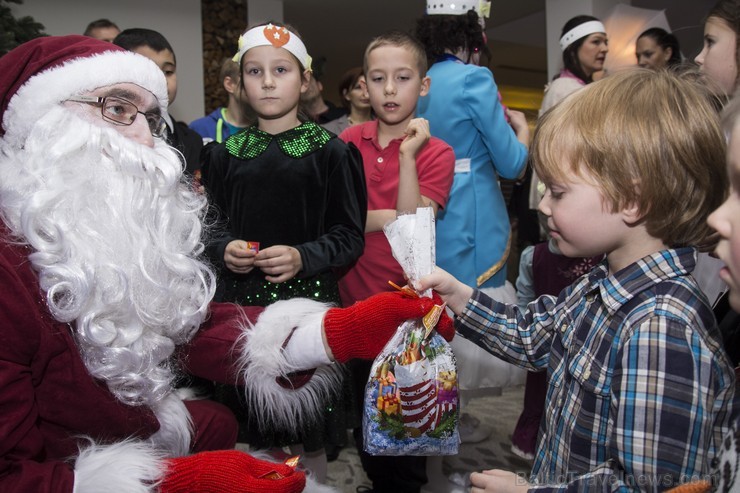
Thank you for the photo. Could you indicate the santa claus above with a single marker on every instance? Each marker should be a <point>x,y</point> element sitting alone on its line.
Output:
<point>106,298</point>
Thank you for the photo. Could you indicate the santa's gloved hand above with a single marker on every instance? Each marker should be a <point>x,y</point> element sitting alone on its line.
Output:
<point>229,471</point>
<point>361,330</point>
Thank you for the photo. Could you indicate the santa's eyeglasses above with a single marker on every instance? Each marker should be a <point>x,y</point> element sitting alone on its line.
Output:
<point>122,112</point>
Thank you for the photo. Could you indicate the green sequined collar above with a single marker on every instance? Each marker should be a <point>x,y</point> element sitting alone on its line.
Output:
<point>297,142</point>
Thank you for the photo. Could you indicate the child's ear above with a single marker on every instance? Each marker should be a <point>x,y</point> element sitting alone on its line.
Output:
<point>632,214</point>
<point>230,84</point>
<point>306,80</point>
<point>426,82</point>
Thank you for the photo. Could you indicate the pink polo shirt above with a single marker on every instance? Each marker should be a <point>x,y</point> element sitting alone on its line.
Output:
<point>435,165</point>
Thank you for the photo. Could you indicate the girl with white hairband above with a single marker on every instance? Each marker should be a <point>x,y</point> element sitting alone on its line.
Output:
<point>584,45</point>
<point>293,204</point>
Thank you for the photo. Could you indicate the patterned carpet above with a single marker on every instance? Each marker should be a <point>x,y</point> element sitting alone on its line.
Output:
<point>499,413</point>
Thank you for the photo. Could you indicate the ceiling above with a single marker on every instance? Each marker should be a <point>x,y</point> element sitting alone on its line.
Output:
<point>349,25</point>
<point>339,30</point>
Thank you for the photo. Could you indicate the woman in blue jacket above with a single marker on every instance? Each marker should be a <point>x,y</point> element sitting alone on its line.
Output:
<point>473,230</point>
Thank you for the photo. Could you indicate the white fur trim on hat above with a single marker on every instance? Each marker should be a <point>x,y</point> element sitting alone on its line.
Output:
<point>262,361</point>
<point>51,87</point>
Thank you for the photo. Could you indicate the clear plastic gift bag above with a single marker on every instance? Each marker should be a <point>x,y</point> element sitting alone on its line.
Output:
<point>411,404</point>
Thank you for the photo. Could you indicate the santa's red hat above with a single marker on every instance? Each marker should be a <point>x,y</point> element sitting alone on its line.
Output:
<point>42,73</point>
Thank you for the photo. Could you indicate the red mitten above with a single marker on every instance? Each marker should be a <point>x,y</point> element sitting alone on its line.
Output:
<point>229,471</point>
<point>361,330</point>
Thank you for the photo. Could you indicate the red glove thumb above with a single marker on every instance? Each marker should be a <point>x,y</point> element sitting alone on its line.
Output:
<point>229,471</point>
<point>361,330</point>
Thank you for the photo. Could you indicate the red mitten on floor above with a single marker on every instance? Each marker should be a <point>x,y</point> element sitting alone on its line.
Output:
<point>229,471</point>
<point>361,330</point>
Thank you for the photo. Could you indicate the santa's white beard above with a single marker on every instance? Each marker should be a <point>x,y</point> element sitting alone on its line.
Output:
<point>115,234</point>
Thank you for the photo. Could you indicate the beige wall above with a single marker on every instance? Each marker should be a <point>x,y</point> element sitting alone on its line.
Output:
<point>177,20</point>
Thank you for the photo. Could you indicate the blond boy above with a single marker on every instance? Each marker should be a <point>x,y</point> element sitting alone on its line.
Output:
<point>640,389</point>
<point>404,168</point>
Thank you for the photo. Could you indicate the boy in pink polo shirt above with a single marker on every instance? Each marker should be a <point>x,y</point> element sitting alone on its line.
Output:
<point>404,168</point>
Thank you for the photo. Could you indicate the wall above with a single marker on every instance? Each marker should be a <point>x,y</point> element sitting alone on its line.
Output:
<point>178,20</point>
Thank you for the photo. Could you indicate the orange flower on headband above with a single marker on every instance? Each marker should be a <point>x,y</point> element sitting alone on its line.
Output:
<point>272,35</point>
<point>277,36</point>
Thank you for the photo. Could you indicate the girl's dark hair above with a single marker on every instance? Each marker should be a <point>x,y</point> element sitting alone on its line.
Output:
<point>570,55</point>
<point>442,33</point>
<point>348,81</point>
<point>664,39</point>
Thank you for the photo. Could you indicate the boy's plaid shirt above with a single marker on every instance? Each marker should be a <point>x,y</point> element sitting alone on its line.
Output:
<point>640,389</point>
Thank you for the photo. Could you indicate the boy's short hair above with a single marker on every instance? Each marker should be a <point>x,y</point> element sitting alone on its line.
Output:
<point>99,24</point>
<point>130,39</point>
<point>650,138</point>
<point>401,40</point>
<point>229,68</point>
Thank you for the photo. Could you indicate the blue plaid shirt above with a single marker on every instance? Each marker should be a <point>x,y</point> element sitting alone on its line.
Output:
<point>640,389</point>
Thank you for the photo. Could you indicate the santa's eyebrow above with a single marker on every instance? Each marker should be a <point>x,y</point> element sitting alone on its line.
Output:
<point>130,96</point>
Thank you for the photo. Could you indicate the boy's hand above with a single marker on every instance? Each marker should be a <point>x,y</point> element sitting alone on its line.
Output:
<point>238,258</point>
<point>417,135</point>
<point>452,291</point>
<point>496,480</point>
<point>279,262</point>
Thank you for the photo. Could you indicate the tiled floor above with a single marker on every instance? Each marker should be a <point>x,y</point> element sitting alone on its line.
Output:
<point>500,413</point>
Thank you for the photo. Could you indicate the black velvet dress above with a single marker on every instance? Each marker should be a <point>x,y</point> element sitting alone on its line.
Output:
<point>304,188</point>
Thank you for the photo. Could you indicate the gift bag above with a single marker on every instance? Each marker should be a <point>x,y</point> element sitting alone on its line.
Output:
<point>411,399</point>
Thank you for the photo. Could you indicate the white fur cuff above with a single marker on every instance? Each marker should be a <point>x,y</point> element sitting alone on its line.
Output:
<point>263,362</point>
<point>126,467</point>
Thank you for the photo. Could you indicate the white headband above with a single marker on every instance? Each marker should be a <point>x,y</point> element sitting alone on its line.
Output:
<point>458,7</point>
<point>271,35</point>
<point>580,31</point>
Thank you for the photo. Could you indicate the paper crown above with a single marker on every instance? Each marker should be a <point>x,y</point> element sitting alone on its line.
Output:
<point>458,7</point>
<point>277,36</point>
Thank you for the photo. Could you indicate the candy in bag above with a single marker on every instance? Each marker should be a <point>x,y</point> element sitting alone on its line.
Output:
<point>411,404</point>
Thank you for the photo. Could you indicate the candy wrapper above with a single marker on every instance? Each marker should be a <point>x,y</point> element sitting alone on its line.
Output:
<point>411,399</point>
